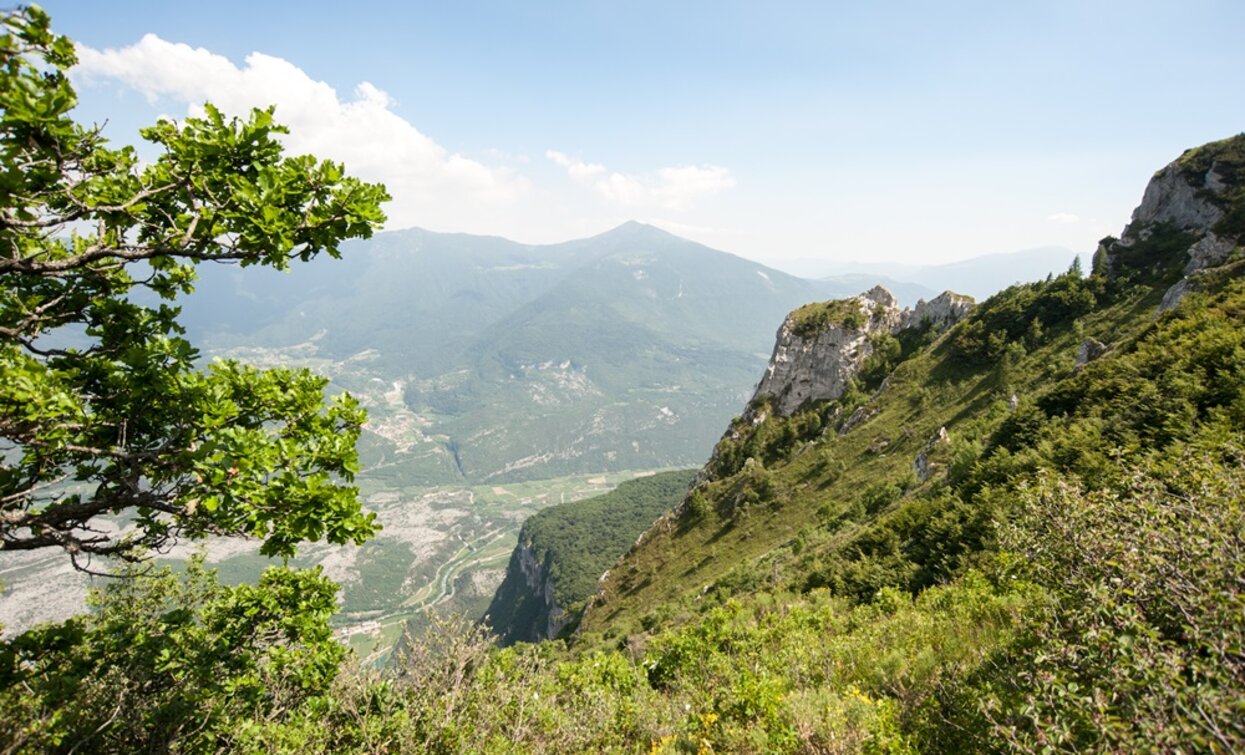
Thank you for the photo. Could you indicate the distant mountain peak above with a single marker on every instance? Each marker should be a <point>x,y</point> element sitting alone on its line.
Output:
<point>634,229</point>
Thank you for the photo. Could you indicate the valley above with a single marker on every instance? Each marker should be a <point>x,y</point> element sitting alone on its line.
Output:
<point>498,378</point>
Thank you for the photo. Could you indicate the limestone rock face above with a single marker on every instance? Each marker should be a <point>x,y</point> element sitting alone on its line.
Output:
<point>527,597</point>
<point>941,312</point>
<point>1194,195</point>
<point>1211,250</point>
<point>1089,350</point>
<point>1171,197</point>
<point>817,365</point>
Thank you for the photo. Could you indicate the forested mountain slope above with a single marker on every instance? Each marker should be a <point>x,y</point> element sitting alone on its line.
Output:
<point>1068,460</point>
<point>564,549</point>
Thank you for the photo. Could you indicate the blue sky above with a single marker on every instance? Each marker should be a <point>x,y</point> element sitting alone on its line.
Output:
<point>913,132</point>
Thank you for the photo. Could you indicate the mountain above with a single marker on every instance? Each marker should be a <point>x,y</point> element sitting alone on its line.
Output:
<point>564,549</point>
<point>906,293</point>
<point>983,276</point>
<point>499,378</point>
<point>482,359</point>
<point>1014,526</point>
<point>1008,527</point>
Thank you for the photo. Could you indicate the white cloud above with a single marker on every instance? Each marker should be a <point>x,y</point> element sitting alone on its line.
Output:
<point>426,180</point>
<point>673,188</point>
<point>1063,218</point>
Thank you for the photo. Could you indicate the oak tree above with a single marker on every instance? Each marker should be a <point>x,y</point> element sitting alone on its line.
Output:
<point>115,438</point>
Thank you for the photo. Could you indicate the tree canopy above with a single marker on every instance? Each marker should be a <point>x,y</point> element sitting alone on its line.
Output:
<point>114,440</point>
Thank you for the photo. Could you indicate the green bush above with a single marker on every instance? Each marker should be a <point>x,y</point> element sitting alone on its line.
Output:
<point>169,659</point>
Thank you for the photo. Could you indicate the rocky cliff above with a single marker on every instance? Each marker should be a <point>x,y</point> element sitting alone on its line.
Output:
<point>1197,204</point>
<point>821,347</point>
<point>525,608</point>
<point>563,550</point>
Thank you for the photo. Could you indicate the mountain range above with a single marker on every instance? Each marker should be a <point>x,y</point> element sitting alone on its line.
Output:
<point>626,350</point>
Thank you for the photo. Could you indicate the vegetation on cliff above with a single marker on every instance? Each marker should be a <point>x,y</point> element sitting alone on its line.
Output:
<point>564,550</point>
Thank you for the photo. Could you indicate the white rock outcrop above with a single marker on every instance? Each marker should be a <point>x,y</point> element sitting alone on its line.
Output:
<point>1211,250</point>
<point>1089,350</point>
<point>1171,198</point>
<point>1182,198</point>
<point>819,366</point>
<point>940,313</point>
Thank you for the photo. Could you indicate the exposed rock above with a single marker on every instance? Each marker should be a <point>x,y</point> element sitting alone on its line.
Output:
<point>921,464</point>
<point>1013,403</point>
<point>1173,295</point>
<point>880,296</point>
<point>1171,197</point>
<point>1192,195</point>
<point>534,614</point>
<point>818,365</point>
<point>817,362</point>
<point>1211,250</point>
<point>857,417</point>
<point>1090,349</point>
<point>940,313</point>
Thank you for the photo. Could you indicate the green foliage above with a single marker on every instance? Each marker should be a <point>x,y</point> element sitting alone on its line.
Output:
<point>1185,370</point>
<point>887,352</point>
<point>574,543</point>
<point>1009,316</point>
<point>804,674</point>
<point>1098,648</point>
<point>879,495</point>
<point>1159,256</point>
<point>170,661</point>
<point>811,319</point>
<point>102,409</point>
<point>1072,582</point>
<point>1138,648</point>
<point>770,441</point>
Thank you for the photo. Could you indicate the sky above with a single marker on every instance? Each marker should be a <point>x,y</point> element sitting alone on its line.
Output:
<point>913,132</point>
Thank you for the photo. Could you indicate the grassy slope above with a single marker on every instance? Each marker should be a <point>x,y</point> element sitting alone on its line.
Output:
<point>823,485</point>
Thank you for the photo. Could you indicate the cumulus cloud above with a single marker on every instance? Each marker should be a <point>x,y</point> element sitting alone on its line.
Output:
<point>362,131</point>
<point>1063,218</point>
<point>673,188</point>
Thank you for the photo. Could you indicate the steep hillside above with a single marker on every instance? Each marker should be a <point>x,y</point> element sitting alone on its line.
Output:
<point>564,549</point>
<point>1022,444</point>
<point>838,466</point>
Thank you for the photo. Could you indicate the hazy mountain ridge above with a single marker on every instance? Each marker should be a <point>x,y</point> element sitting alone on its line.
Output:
<point>621,351</point>
<point>978,277</point>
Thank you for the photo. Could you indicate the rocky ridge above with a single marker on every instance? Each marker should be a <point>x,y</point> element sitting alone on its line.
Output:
<point>1199,196</point>
<point>820,348</point>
